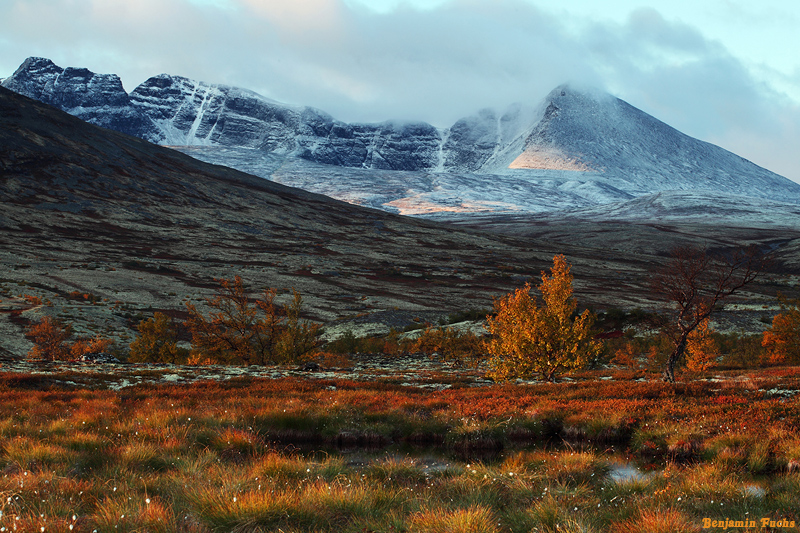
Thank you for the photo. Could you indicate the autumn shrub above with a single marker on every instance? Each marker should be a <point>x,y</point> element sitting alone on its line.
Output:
<point>711,349</point>
<point>49,337</point>
<point>657,350</point>
<point>782,340</point>
<point>348,343</point>
<point>32,299</point>
<point>461,347</point>
<point>296,337</point>
<point>96,344</point>
<point>528,339</point>
<point>240,331</point>
<point>157,342</point>
<point>702,350</point>
<point>740,350</point>
<point>627,356</point>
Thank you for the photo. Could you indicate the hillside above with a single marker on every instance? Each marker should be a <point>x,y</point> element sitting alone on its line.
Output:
<point>109,228</point>
<point>138,228</point>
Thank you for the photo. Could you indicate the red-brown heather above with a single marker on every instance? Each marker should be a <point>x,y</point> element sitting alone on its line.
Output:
<point>220,456</point>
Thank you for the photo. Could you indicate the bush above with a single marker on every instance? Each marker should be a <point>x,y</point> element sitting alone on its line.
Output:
<point>740,350</point>
<point>49,337</point>
<point>157,342</point>
<point>96,344</point>
<point>782,340</point>
<point>50,341</point>
<point>529,339</point>
<point>243,332</point>
<point>348,343</point>
<point>457,346</point>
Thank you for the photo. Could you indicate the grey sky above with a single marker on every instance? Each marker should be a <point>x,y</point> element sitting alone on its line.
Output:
<point>720,71</point>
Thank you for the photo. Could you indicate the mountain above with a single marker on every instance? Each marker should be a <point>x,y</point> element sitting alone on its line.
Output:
<point>174,110</point>
<point>576,149</point>
<point>586,130</point>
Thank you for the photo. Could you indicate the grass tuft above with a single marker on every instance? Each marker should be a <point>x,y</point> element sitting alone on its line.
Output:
<point>474,519</point>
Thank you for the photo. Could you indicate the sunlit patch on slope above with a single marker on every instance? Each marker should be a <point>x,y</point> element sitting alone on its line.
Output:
<point>427,204</point>
<point>538,157</point>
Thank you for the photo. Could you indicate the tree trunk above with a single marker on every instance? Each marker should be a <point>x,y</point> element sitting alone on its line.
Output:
<point>669,371</point>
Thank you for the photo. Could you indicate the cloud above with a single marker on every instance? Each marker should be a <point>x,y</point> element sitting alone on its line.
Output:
<point>671,71</point>
<point>435,64</point>
<point>322,19</point>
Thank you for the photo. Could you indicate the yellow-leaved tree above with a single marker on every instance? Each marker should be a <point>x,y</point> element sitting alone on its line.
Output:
<point>157,342</point>
<point>702,350</point>
<point>529,339</point>
<point>49,337</point>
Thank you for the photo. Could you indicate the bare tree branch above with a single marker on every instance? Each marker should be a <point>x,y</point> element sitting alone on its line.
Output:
<point>695,281</point>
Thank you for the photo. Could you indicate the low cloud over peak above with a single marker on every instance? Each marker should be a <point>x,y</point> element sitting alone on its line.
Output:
<point>435,64</point>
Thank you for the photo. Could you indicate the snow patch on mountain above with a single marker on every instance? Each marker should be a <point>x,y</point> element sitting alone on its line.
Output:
<point>426,194</point>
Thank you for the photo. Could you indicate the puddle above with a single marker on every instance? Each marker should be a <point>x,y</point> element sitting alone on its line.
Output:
<point>427,458</point>
<point>627,473</point>
<point>754,491</point>
<point>427,464</point>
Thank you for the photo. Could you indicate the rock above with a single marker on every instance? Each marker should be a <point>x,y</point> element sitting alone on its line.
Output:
<point>191,113</point>
<point>98,358</point>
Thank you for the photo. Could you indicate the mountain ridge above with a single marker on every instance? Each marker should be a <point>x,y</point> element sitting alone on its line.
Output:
<point>579,144</point>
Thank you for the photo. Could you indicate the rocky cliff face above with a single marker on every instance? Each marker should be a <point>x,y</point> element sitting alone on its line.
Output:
<point>96,98</point>
<point>174,110</point>
<point>195,113</point>
<point>487,141</point>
